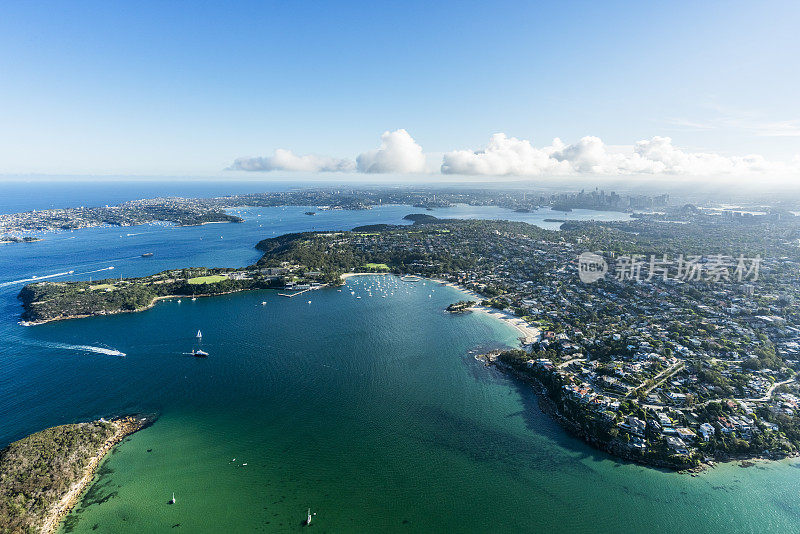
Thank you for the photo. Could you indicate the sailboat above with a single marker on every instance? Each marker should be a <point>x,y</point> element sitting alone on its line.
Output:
<point>308,519</point>
<point>199,335</point>
<point>173,498</point>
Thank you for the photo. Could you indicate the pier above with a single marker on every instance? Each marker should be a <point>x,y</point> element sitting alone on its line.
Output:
<point>290,295</point>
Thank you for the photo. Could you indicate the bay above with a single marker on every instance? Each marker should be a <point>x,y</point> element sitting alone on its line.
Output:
<point>373,412</point>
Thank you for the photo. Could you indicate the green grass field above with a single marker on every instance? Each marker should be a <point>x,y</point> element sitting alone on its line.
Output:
<point>101,286</point>
<point>213,279</point>
<point>379,266</point>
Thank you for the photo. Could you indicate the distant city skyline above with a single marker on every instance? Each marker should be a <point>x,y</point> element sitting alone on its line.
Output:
<point>351,91</point>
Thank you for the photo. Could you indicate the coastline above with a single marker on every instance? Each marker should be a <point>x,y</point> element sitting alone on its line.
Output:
<point>117,312</point>
<point>58,231</point>
<point>345,276</point>
<point>530,333</point>
<point>125,427</point>
<point>614,449</point>
<point>46,473</point>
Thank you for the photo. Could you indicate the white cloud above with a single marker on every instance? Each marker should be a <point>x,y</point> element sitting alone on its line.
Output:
<point>511,156</point>
<point>666,158</point>
<point>286,160</point>
<point>399,153</point>
<point>505,156</point>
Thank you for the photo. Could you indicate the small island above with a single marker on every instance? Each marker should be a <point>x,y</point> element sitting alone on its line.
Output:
<point>17,239</point>
<point>461,306</point>
<point>43,475</point>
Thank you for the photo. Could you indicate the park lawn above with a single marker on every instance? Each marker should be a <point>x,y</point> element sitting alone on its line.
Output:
<point>101,286</point>
<point>213,279</point>
<point>380,266</point>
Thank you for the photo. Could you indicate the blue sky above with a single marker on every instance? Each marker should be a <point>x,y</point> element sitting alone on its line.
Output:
<point>185,88</point>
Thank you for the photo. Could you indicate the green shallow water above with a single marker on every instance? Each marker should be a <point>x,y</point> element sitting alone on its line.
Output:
<point>374,413</point>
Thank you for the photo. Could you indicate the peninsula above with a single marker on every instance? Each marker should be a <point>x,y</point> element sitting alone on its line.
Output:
<point>43,475</point>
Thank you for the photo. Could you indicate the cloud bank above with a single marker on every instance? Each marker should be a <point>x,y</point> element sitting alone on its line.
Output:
<point>286,160</point>
<point>399,153</point>
<point>509,156</point>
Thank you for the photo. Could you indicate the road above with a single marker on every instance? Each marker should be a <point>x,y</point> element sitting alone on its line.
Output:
<point>767,396</point>
<point>659,379</point>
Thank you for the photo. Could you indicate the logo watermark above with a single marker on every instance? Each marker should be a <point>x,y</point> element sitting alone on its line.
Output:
<point>591,267</point>
<point>682,268</point>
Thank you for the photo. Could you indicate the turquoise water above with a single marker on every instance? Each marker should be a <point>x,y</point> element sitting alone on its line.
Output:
<point>373,412</point>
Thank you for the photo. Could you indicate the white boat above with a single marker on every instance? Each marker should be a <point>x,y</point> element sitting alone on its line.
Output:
<point>308,518</point>
<point>173,498</point>
<point>199,353</point>
<point>199,335</point>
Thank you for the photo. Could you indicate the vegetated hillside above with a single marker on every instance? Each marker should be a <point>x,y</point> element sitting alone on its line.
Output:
<point>44,301</point>
<point>37,470</point>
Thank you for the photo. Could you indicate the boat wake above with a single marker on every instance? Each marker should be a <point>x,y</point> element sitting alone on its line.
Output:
<point>35,278</point>
<point>84,348</point>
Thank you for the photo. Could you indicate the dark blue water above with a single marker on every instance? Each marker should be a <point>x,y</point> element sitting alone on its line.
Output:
<point>17,196</point>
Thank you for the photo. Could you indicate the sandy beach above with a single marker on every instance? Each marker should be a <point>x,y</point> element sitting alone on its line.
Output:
<point>529,333</point>
<point>125,427</point>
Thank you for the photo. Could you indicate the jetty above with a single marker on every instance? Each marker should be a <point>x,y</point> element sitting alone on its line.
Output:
<point>299,292</point>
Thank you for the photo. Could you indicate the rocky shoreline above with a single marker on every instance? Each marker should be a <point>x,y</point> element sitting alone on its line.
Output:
<point>43,475</point>
<point>614,448</point>
<point>125,426</point>
<point>119,311</point>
